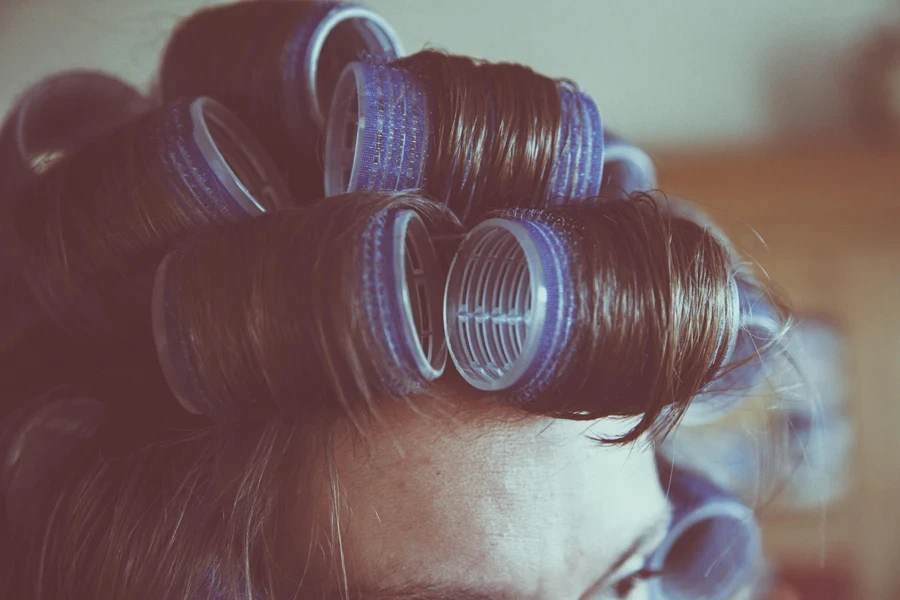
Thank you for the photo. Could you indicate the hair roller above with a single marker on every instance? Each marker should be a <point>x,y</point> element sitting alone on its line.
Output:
<point>510,302</point>
<point>626,168</point>
<point>558,308</point>
<point>57,115</point>
<point>794,449</point>
<point>713,547</point>
<point>96,224</point>
<point>463,131</point>
<point>341,297</point>
<point>276,64</point>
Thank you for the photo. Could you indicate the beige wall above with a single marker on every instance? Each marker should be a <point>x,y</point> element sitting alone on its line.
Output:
<point>663,71</point>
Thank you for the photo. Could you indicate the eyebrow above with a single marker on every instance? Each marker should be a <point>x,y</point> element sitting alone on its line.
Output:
<point>648,538</point>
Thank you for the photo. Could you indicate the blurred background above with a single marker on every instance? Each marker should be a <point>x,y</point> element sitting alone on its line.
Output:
<point>782,117</point>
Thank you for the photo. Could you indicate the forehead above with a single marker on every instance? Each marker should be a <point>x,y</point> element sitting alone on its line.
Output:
<point>492,499</point>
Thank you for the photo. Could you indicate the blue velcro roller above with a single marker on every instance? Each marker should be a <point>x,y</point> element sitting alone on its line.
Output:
<point>399,287</point>
<point>748,361</point>
<point>578,171</point>
<point>304,105</point>
<point>380,131</point>
<point>795,453</point>
<point>712,550</point>
<point>509,303</point>
<point>216,169</point>
<point>402,286</point>
<point>814,419</point>
<point>626,169</point>
<point>57,115</point>
<point>172,344</point>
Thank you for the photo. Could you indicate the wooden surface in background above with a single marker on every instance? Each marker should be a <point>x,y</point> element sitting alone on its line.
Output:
<point>830,221</point>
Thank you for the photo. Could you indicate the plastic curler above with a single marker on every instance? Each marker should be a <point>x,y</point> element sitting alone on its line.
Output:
<point>232,166</point>
<point>399,288</point>
<point>626,168</point>
<point>794,450</point>
<point>57,115</point>
<point>713,548</point>
<point>749,361</point>
<point>509,303</point>
<point>378,132</point>
<point>381,129</point>
<point>402,292</point>
<point>276,65</point>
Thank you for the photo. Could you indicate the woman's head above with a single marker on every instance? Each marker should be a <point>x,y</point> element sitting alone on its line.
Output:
<point>449,492</point>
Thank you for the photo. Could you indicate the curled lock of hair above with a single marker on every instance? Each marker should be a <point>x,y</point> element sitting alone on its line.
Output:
<point>340,300</point>
<point>91,230</point>
<point>587,311</point>
<point>275,64</point>
<point>475,135</point>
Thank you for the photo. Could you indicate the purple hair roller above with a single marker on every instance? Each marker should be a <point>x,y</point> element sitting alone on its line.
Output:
<point>814,417</point>
<point>400,286</point>
<point>57,115</point>
<point>509,303</point>
<point>380,129</point>
<point>799,456</point>
<point>378,132</point>
<point>304,105</point>
<point>713,547</point>
<point>627,169</point>
<point>578,171</point>
<point>214,166</point>
<point>760,327</point>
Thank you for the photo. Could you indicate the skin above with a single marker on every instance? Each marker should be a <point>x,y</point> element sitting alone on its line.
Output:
<point>498,503</point>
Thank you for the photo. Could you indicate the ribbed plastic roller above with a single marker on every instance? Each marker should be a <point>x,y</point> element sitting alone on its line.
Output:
<point>380,131</point>
<point>509,303</point>
<point>713,547</point>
